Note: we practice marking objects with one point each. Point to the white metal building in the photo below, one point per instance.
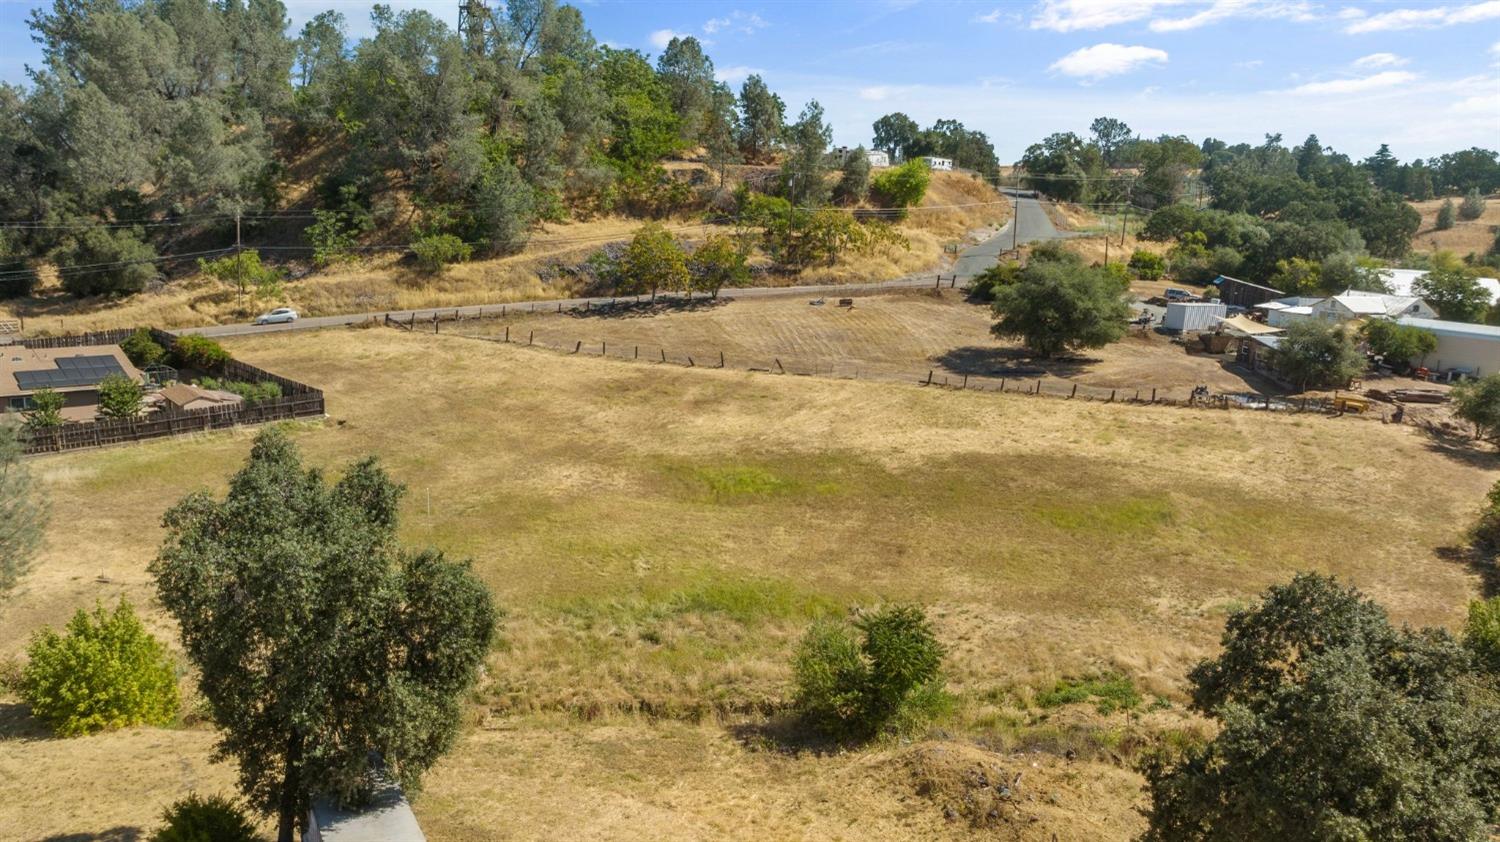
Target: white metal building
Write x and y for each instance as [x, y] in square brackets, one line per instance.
[1401, 280]
[938, 163]
[1471, 349]
[1193, 315]
[1356, 304]
[878, 158]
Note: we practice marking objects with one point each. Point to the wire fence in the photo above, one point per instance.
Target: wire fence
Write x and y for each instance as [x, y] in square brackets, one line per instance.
[1018, 380]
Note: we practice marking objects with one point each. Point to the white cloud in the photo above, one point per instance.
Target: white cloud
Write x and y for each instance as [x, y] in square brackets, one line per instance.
[993, 16]
[1363, 84]
[662, 37]
[1251, 64]
[1074, 15]
[738, 73]
[1425, 18]
[1102, 60]
[1374, 60]
[745, 23]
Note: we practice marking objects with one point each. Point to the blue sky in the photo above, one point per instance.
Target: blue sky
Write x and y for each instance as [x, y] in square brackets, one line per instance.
[1421, 76]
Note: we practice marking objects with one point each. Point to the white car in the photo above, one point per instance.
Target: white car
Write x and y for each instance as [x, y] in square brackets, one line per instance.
[281, 315]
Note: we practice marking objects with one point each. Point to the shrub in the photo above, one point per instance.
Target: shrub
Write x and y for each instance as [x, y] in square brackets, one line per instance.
[1398, 344]
[1147, 265]
[199, 819]
[436, 251]
[984, 285]
[263, 390]
[120, 397]
[1472, 207]
[1482, 633]
[858, 689]
[142, 349]
[1057, 305]
[104, 672]
[107, 261]
[198, 352]
[903, 186]
[1444, 216]
[1314, 353]
[46, 409]
[1478, 402]
[1486, 532]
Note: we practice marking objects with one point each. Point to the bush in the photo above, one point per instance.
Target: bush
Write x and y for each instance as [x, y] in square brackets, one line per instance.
[211, 819]
[1486, 533]
[142, 349]
[1482, 633]
[1478, 402]
[1472, 207]
[1058, 305]
[851, 689]
[984, 285]
[104, 672]
[264, 390]
[1444, 216]
[1147, 265]
[903, 186]
[1397, 344]
[198, 352]
[120, 397]
[108, 261]
[1314, 353]
[435, 251]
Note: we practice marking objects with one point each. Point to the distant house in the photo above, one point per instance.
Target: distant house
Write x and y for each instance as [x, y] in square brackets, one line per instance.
[1284, 312]
[1356, 304]
[1473, 350]
[73, 372]
[878, 158]
[1401, 280]
[182, 397]
[936, 163]
[1238, 293]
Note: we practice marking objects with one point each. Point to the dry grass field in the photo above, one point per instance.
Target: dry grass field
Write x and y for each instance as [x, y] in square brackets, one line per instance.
[891, 336]
[958, 205]
[660, 537]
[1465, 237]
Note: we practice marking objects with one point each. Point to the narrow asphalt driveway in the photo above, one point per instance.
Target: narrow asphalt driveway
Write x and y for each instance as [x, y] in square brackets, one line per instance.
[1034, 226]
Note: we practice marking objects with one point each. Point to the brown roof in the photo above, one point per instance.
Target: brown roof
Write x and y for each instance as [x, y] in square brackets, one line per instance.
[15, 359]
[181, 394]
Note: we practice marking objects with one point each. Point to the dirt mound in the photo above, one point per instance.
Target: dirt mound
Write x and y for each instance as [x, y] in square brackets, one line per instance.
[1024, 796]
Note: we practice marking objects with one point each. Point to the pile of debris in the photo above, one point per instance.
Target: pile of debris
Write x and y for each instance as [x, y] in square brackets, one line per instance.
[969, 784]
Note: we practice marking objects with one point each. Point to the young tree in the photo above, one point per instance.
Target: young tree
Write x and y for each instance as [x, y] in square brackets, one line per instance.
[435, 252]
[1314, 353]
[1332, 725]
[902, 187]
[1147, 265]
[689, 77]
[1478, 402]
[243, 270]
[803, 180]
[45, 411]
[1444, 216]
[120, 397]
[1399, 345]
[142, 350]
[106, 671]
[1111, 136]
[762, 114]
[1060, 304]
[1456, 293]
[320, 643]
[717, 263]
[23, 512]
[854, 183]
[1472, 207]
[653, 261]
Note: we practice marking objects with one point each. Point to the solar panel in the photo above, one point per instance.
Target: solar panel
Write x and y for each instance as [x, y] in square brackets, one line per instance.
[81, 370]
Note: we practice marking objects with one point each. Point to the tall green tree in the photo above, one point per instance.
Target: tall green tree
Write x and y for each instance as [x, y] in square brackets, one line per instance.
[1059, 304]
[854, 178]
[1454, 292]
[762, 117]
[1333, 725]
[23, 511]
[1111, 136]
[689, 76]
[1314, 354]
[896, 134]
[803, 173]
[320, 643]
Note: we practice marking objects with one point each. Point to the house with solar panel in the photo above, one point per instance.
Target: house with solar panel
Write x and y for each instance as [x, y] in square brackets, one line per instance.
[74, 373]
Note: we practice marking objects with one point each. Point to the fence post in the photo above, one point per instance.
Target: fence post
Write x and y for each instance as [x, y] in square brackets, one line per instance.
[664, 355]
[1039, 385]
[939, 283]
[637, 352]
[1074, 393]
[778, 365]
[1153, 396]
[1002, 385]
[502, 311]
[434, 323]
[530, 336]
[1137, 396]
[1111, 395]
[507, 333]
[721, 359]
[966, 381]
[690, 362]
[578, 347]
[929, 378]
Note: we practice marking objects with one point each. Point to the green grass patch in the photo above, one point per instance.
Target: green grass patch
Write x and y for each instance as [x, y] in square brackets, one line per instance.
[1109, 693]
[746, 601]
[738, 481]
[1130, 515]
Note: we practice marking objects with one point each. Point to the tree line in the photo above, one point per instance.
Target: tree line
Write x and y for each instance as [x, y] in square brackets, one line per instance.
[153, 129]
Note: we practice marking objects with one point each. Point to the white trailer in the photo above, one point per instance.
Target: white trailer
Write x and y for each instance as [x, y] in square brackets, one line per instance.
[1183, 316]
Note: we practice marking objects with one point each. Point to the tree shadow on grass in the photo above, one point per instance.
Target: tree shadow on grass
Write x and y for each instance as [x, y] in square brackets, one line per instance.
[1459, 447]
[17, 723]
[784, 733]
[1480, 563]
[114, 834]
[985, 361]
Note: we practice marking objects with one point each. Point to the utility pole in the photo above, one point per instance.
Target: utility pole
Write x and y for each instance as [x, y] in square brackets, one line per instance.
[1125, 220]
[1015, 224]
[239, 244]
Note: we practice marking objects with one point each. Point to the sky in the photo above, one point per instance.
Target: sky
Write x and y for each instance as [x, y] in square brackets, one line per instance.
[1423, 77]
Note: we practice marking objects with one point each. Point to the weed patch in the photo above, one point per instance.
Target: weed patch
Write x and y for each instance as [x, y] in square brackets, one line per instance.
[1108, 692]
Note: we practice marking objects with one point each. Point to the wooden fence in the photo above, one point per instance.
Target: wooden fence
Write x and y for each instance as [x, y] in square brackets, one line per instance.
[298, 400]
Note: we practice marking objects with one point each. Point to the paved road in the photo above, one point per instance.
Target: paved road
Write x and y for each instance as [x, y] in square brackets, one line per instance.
[1035, 226]
[314, 323]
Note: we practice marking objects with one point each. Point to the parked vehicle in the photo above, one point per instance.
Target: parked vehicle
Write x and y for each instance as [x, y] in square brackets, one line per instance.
[1174, 294]
[279, 316]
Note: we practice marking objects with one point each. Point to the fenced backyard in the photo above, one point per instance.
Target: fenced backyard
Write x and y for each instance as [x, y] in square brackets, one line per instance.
[297, 400]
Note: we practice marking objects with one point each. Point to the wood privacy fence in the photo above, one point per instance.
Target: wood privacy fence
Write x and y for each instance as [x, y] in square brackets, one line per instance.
[298, 400]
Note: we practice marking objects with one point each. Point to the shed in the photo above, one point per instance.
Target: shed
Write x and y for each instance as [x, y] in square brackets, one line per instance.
[937, 163]
[184, 397]
[878, 158]
[1243, 293]
[1193, 315]
[1468, 348]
